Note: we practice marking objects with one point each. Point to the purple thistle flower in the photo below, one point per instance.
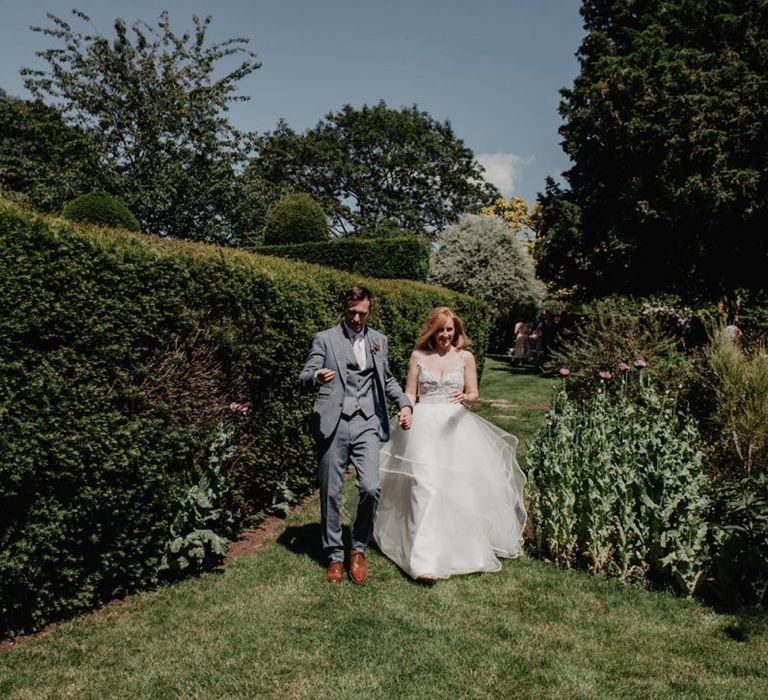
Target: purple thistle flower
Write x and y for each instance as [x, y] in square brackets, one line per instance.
[605, 374]
[640, 363]
[564, 371]
[240, 408]
[623, 367]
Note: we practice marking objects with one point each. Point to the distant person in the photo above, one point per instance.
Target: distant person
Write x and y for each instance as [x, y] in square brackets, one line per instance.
[451, 490]
[521, 353]
[545, 330]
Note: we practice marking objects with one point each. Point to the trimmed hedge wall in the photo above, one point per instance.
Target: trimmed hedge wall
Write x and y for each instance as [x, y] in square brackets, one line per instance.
[403, 257]
[119, 355]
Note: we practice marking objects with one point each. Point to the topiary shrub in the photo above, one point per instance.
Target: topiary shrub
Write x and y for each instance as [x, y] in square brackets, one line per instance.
[296, 218]
[102, 209]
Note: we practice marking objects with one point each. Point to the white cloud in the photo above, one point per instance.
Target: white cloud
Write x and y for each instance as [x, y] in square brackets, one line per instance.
[504, 169]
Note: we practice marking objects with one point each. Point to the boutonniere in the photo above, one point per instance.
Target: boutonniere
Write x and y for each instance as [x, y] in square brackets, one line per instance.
[376, 347]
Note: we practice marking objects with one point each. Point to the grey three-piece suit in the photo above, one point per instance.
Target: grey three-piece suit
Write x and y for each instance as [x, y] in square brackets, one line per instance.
[349, 420]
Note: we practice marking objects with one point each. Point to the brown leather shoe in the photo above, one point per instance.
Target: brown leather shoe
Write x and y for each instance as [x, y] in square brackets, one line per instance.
[335, 572]
[358, 569]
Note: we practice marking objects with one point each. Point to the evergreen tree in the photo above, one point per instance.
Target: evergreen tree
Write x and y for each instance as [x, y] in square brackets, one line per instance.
[667, 128]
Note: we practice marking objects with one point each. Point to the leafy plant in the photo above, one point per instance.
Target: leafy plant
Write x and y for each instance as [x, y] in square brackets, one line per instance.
[617, 329]
[738, 382]
[283, 499]
[102, 209]
[740, 539]
[617, 485]
[194, 545]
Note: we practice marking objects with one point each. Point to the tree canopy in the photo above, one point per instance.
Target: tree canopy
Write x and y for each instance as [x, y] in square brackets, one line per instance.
[377, 166]
[667, 129]
[481, 256]
[43, 158]
[154, 104]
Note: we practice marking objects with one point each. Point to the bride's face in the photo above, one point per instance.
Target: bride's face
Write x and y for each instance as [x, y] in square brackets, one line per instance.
[444, 337]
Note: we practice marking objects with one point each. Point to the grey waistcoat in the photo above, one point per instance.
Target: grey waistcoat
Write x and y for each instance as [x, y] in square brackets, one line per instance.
[358, 390]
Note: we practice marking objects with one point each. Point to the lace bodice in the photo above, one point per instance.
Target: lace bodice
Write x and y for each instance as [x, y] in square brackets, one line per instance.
[431, 390]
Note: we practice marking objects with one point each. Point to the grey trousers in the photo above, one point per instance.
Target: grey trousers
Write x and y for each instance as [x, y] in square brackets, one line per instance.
[356, 440]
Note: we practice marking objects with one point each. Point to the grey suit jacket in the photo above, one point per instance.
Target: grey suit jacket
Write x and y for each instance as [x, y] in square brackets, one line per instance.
[330, 349]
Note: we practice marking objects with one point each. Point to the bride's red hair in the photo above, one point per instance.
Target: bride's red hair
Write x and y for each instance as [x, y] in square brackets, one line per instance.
[436, 319]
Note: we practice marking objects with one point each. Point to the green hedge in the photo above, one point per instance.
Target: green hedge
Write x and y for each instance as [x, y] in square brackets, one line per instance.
[119, 356]
[403, 257]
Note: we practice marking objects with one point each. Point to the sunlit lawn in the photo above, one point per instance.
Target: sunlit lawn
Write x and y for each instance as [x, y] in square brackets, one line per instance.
[270, 627]
[515, 399]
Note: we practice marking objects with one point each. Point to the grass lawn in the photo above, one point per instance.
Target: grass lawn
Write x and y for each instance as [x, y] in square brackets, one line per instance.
[515, 399]
[268, 626]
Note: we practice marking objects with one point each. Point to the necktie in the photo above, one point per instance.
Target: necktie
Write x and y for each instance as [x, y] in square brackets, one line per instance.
[359, 347]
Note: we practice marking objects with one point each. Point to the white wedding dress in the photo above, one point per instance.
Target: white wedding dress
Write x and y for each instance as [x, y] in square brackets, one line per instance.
[451, 490]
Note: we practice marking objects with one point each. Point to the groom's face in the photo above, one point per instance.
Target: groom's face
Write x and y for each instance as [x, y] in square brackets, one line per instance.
[356, 314]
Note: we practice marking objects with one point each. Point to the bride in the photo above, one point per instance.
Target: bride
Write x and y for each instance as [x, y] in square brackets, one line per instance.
[451, 490]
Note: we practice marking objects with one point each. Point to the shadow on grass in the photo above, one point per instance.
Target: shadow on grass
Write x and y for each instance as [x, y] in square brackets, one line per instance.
[305, 540]
[749, 621]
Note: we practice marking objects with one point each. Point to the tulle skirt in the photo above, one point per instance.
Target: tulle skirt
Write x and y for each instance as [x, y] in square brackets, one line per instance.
[451, 494]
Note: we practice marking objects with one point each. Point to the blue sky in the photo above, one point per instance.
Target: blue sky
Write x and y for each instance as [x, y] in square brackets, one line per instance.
[493, 68]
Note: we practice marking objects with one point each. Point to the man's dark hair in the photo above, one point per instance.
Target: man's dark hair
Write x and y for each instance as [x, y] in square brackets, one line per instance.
[356, 294]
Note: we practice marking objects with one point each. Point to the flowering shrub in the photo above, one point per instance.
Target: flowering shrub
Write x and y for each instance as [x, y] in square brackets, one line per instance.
[614, 332]
[617, 485]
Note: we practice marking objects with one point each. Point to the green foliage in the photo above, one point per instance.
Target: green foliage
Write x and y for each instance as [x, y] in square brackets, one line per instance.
[42, 158]
[737, 382]
[119, 354]
[740, 539]
[375, 166]
[102, 209]
[479, 255]
[296, 218]
[406, 257]
[617, 485]
[152, 104]
[195, 546]
[664, 126]
[621, 329]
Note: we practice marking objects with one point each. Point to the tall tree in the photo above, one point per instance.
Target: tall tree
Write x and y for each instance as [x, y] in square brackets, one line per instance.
[667, 128]
[43, 158]
[155, 106]
[377, 166]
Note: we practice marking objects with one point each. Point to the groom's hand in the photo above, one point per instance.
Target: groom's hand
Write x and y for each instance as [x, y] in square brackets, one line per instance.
[325, 375]
[404, 417]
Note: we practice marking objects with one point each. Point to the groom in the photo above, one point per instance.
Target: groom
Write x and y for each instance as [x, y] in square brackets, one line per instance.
[348, 366]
